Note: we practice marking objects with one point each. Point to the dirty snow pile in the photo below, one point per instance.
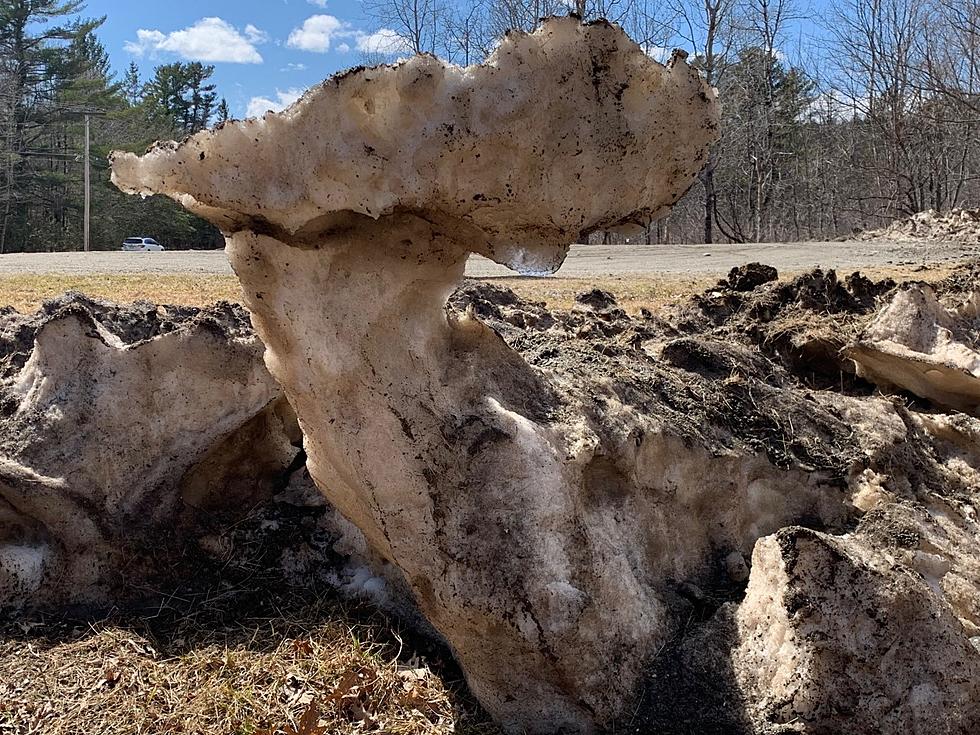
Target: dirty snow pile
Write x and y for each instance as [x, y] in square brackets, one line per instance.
[349, 220]
[763, 454]
[919, 344]
[123, 429]
[956, 225]
[801, 540]
[572, 501]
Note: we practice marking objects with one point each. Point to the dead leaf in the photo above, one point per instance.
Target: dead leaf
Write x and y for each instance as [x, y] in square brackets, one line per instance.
[353, 683]
[308, 723]
[111, 674]
[408, 675]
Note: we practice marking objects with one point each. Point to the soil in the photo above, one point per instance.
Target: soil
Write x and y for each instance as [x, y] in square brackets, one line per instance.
[130, 324]
[720, 364]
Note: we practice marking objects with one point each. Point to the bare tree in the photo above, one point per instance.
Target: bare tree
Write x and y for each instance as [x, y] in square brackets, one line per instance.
[879, 45]
[763, 25]
[707, 28]
[521, 15]
[467, 38]
[416, 21]
[615, 11]
[952, 53]
[652, 25]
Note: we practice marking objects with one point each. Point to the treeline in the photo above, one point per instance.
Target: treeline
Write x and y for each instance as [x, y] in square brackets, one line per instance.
[831, 124]
[54, 72]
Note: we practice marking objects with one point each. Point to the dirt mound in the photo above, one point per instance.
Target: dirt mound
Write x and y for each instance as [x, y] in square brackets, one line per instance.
[748, 277]
[777, 506]
[734, 372]
[802, 324]
[130, 324]
[956, 225]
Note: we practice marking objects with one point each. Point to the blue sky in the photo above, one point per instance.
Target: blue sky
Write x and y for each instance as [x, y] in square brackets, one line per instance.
[264, 53]
[267, 53]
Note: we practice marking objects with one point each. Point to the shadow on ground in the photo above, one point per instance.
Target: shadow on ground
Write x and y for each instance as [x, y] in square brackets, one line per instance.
[234, 648]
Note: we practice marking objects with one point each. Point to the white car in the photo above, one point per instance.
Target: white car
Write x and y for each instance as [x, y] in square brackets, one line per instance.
[141, 245]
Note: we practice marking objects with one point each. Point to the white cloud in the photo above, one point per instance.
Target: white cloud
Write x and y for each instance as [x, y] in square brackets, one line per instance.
[145, 40]
[255, 35]
[318, 3]
[657, 53]
[259, 105]
[383, 41]
[210, 39]
[317, 33]
[294, 67]
[320, 33]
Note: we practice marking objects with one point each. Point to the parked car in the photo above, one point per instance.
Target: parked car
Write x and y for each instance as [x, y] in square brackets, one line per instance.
[141, 245]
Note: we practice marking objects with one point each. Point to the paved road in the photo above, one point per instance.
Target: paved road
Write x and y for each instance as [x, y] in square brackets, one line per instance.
[582, 261]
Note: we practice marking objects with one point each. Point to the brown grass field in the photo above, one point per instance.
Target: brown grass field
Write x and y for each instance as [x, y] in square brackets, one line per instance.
[26, 292]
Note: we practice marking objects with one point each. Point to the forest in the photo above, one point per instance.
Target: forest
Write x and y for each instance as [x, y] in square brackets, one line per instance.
[872, 116]
[53, 72]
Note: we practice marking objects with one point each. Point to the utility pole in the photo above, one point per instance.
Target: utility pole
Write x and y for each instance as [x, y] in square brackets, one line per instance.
[87, 188]
[87, 113]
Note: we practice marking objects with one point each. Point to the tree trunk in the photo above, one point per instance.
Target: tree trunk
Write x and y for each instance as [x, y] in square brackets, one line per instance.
[708, 179]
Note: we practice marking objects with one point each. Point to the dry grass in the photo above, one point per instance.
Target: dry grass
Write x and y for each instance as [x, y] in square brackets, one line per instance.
[232, 643]
[261, 673]
[26, 292]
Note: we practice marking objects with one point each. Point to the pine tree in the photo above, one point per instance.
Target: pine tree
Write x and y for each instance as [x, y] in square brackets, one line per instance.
[41, 49]
[180, 93]
[131, 85]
